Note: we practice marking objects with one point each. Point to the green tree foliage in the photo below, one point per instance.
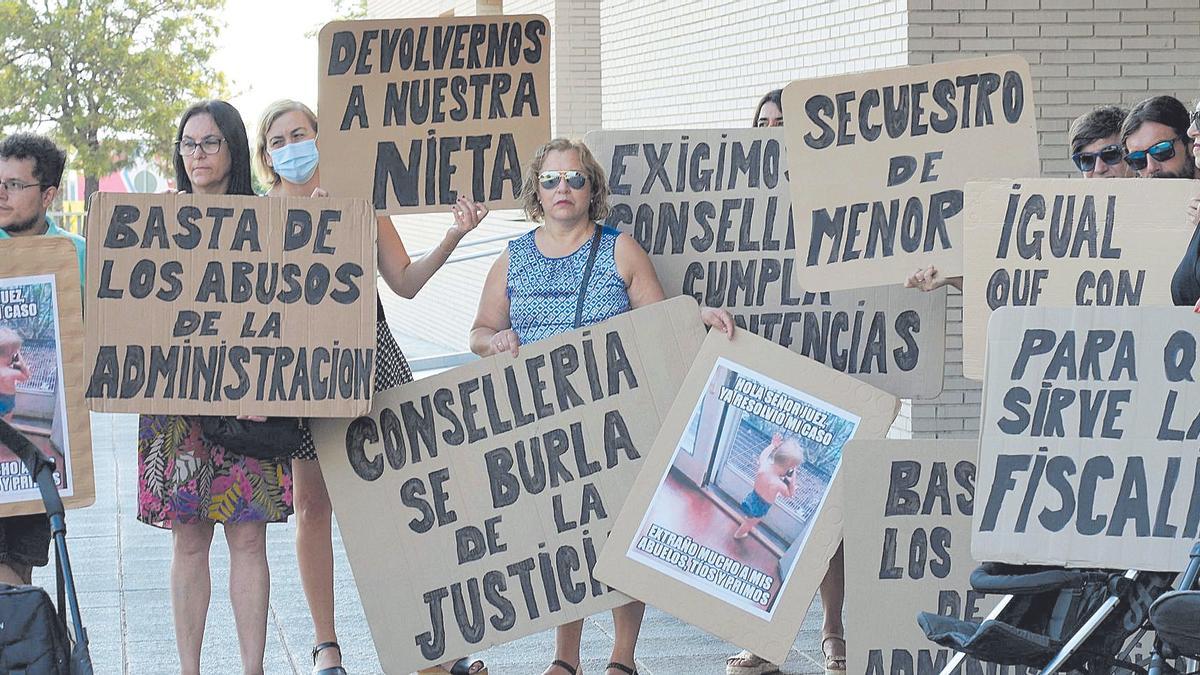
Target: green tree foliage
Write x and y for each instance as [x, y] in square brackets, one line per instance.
[108, 78]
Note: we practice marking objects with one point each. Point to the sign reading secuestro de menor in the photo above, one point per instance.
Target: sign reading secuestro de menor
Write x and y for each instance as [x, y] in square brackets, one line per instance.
[230, 305]
[415, 112]
[879, 159]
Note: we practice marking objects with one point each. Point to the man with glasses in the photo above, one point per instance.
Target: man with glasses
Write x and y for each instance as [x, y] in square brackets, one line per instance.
[1155, 136]
[31, 169]
[1096, 143]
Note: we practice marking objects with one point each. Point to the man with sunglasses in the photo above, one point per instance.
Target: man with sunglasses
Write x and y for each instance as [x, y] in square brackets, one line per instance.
[31, 169]
[1096, 143]
[1155, 136]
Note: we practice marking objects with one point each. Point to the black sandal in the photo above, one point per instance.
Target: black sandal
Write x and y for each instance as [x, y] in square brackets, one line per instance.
[613, 665]
[571, 670]
[461, 667]
[332, 670]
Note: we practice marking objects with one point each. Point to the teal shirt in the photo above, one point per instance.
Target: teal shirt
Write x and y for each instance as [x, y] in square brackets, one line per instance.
[53, 230]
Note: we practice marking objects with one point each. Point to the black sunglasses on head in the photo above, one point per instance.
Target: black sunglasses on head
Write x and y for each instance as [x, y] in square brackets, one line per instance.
[1160, 151]
[1109, 154]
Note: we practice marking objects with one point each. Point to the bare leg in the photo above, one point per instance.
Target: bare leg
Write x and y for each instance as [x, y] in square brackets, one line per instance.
[833, 597]
[314, 553]
[566, 645]
[628, 622]
[745, 528]
[190, 590]
[249, 590]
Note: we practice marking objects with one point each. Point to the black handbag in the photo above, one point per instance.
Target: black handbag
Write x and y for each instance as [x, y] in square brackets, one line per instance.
[33, 637]
[276, 438]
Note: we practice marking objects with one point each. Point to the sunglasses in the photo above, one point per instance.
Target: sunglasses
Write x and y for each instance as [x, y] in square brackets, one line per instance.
[1161, 152]
[1109, 154]
[1196, 119]
[575, 179]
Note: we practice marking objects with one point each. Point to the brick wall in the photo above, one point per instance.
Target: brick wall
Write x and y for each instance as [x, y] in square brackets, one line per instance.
[1082, 53]
[709, 65]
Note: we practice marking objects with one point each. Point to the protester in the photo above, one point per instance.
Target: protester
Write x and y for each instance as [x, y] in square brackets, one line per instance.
[31, 169]
[769, 112]
[833, 586]
[186, 483]
[289, 161]
[1185, 285]
[1155, 137]
[1095, 140]
[541, 286]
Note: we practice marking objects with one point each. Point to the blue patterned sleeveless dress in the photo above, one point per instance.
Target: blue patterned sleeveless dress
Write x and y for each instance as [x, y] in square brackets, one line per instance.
[543, 291]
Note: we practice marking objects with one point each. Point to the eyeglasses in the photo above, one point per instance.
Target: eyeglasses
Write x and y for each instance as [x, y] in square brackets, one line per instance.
[1161, 152]
[211, 145]
[575, 179]
[14, 185]
[1109, 154]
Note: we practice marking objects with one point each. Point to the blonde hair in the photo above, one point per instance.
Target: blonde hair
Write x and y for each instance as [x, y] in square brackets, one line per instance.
[10, 341]
[597, 208]
[789, 452]
[272, 113]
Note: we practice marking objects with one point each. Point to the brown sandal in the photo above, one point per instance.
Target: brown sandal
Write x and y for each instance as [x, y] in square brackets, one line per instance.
[835, 664]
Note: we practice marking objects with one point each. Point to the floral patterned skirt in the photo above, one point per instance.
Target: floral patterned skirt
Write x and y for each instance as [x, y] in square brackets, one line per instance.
[183, 478]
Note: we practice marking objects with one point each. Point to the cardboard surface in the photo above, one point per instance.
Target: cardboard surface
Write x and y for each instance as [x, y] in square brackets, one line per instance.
[879, 160]
[1088, 453]
[221, 305]
[712, 209]
[908, 534]
[673, 545]
[1062, 243]
[40, 301]
[497, 482]
[414, 112]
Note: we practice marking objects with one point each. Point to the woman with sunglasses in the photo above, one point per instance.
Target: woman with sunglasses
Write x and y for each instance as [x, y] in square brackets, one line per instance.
[288, 160]
[536, 288]
[187, 484]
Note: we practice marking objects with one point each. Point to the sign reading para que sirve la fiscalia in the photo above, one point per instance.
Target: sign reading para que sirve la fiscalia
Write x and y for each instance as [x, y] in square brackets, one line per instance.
[415, 112]
[227, 305]
[1089, 438]
[473, 503]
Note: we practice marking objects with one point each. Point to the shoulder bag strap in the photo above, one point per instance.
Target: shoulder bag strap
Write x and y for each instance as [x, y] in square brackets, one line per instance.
[587, 277]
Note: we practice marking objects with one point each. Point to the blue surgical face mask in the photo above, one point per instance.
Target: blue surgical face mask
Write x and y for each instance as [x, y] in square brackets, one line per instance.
[296, 162]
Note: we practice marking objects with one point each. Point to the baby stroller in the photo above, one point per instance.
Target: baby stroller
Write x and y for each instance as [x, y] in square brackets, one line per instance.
[1176, 620]
[1052, 618]
[26, 604]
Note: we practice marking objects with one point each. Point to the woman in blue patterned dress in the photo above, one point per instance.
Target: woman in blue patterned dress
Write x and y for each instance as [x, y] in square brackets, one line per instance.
[531, 294]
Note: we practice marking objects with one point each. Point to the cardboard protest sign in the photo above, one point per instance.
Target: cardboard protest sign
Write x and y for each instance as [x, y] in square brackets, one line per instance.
[908, 534]
[473, 503]
[229, 305]
[1062, 243]
[1088, 450]
[738, 509]
[41, 371]
[414, 112]
[712, 209]
[879, 160]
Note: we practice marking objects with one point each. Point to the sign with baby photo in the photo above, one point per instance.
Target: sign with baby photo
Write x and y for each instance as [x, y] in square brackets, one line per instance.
[41, 371]
[732, 521]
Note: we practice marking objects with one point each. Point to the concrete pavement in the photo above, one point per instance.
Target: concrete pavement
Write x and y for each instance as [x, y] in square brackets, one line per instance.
[121, 569]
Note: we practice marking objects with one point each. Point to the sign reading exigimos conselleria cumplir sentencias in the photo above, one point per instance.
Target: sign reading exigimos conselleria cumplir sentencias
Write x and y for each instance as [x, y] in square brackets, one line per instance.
[415, 112]
[878, 163]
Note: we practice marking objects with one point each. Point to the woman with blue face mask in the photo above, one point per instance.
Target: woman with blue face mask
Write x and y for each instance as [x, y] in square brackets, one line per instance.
[288, 157]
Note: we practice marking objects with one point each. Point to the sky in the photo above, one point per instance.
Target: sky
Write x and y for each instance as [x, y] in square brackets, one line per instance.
[266, 54]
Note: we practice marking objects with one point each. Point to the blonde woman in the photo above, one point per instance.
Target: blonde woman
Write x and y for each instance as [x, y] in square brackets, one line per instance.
[288, 159]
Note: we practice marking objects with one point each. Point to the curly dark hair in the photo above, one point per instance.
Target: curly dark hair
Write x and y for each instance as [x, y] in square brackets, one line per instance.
[48, 159]
[229, 121]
